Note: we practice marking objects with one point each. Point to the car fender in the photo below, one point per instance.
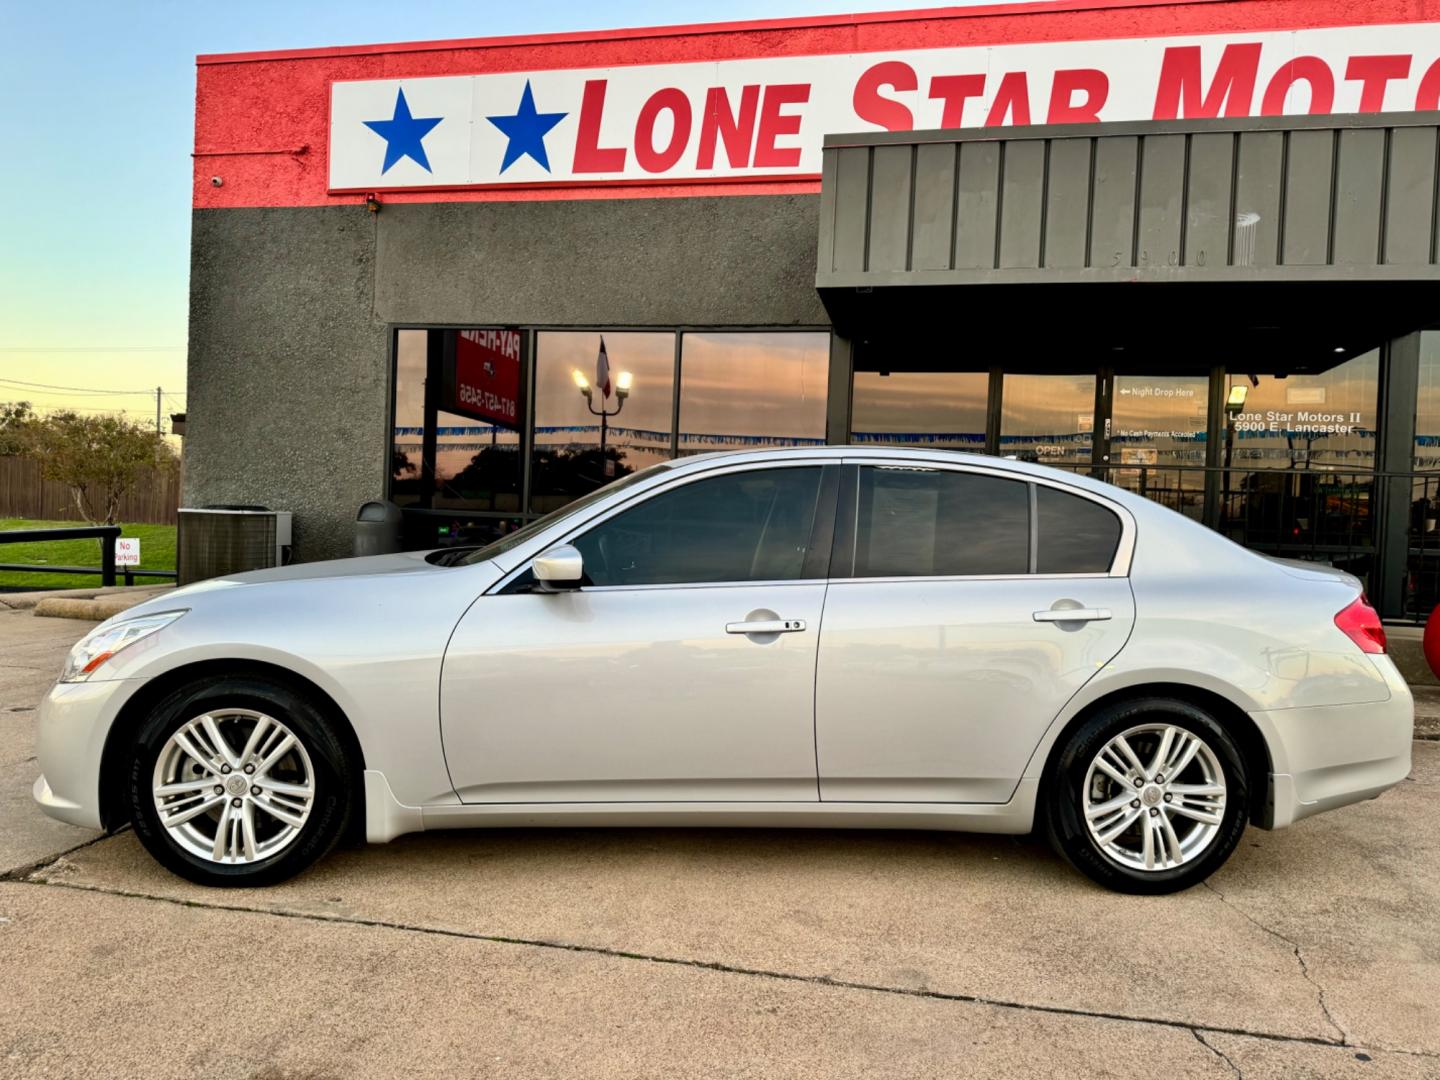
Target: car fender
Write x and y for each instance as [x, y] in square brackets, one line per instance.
[1254, 668]
[1111, 681]
[374, 646]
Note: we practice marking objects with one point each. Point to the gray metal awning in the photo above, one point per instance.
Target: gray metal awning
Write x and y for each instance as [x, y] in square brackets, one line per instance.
[1308, 235]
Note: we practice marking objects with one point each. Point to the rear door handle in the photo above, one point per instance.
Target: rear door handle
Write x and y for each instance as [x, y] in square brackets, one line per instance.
[766, 626]
[1083, 614]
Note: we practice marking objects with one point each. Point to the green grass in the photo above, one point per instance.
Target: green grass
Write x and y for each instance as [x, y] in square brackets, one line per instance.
[157, 552]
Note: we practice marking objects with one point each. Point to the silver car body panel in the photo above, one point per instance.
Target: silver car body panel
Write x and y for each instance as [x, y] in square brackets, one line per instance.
[638, 694]
[635, 706]
[982, 681]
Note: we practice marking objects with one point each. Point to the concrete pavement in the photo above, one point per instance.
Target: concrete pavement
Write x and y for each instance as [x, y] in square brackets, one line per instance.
[32, 650]
[1315, 952]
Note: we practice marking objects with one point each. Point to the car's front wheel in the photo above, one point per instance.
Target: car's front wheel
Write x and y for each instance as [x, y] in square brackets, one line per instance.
[1148, 796]
[238, 781]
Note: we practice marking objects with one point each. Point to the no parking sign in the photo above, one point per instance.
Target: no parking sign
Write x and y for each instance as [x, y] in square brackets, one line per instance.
[127, 551]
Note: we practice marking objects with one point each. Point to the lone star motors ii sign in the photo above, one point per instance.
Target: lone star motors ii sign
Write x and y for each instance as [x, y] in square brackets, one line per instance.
[767, 118]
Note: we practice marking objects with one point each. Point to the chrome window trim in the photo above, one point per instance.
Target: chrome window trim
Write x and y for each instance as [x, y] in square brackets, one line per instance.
[941, 578]
[769, 584]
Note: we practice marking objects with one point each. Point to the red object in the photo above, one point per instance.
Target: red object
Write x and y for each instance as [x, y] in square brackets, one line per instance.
[590, 156]
[261, 118]
[1362, 625]
[487, 376]
[1431, 641]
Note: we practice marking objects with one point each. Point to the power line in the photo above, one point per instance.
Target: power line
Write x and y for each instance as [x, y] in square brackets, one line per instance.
[89, 348]
[71, 394]
[94, 408]
[73, 389]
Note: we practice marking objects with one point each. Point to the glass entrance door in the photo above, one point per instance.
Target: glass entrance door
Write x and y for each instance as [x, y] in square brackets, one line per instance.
[1158, 438]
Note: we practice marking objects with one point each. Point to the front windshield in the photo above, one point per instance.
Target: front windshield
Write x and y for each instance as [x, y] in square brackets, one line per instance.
[525, 532]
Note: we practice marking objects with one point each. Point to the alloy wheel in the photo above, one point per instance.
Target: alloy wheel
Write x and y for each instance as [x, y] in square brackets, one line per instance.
[1154, 797]
[233, 786]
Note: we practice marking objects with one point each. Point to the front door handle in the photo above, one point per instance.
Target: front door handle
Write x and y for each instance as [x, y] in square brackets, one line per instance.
[766, 626]
[1082, 614]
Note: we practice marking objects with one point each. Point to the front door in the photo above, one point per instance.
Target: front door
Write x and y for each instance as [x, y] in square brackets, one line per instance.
[966, 610]
[684, 670]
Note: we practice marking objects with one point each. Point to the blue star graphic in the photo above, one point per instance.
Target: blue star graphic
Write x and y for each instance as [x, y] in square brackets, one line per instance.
[402, 134]
[526, 131]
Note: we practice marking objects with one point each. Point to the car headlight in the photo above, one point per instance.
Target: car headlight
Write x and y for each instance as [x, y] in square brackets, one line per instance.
[106, 640]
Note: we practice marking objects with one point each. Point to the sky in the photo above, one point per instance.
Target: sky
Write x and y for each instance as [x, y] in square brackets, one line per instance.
[98, 127]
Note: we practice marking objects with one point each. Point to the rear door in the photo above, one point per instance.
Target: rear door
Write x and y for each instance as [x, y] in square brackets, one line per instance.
[966, 607]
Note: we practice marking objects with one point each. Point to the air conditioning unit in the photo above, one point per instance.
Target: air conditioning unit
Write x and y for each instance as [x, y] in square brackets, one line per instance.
[219, 540]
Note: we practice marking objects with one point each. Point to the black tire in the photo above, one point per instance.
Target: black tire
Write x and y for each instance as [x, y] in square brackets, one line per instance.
[333, 778]
[1064, 814]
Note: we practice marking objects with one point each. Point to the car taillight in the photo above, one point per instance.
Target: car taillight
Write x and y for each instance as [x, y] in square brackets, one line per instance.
[1362, 625]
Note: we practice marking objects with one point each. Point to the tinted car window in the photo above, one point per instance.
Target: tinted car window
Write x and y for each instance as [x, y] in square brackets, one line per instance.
[1077, 536]
[520, 535]
[924, 522]
[742, 526]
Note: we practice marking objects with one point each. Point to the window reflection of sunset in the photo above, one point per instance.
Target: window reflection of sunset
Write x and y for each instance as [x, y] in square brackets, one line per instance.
[1348, 390]
[650, 359]
[1427, 405]
[920, 403]
[756, 384]
[1042, 415]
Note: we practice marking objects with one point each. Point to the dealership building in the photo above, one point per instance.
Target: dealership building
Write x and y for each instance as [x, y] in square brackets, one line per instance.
[1188, 246]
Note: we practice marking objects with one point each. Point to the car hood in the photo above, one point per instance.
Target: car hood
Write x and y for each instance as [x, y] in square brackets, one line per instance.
[370, 566]
[407, 562]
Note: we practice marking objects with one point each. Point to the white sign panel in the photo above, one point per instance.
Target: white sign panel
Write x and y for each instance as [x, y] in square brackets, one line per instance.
[127, 551]
[767, 118]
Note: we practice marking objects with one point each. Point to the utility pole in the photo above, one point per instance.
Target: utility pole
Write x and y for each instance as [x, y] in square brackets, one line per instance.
[157, 411]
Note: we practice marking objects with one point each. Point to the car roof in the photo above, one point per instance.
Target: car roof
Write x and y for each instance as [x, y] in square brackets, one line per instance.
[887, 453]
[919, 455]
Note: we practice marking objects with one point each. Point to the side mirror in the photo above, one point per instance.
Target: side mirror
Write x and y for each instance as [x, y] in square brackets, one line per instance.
[559, 569]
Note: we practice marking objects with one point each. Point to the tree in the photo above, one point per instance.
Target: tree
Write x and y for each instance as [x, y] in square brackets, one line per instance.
[17, 419]
[98, 458]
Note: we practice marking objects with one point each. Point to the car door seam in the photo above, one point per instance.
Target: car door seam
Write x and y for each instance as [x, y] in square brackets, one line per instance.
[440, 694]
[815, 692]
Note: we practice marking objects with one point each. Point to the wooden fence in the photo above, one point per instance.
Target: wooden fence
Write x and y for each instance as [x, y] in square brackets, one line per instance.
[25, 493]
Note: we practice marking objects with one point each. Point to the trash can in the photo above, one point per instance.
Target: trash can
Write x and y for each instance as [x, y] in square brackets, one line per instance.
[377, 528]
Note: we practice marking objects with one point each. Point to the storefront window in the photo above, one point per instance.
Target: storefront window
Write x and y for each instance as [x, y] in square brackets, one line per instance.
[477, 465]
[469, 381]
[409, 430]
[1048, 418]
[576, 449]
[1157, 438]
[741, 391]
[1423, 577]
[1299, 453]
[477, 462]
[921, 408]
[1427, 404]
[1303, 421]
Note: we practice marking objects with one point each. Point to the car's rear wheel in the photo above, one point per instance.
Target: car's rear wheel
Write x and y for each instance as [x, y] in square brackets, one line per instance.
[239, 782]
[1148, 796]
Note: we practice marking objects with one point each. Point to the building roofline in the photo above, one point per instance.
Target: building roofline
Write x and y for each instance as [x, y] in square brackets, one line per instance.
[1036, 8]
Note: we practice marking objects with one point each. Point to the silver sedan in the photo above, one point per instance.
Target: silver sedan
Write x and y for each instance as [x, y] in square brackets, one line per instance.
[832, 637]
